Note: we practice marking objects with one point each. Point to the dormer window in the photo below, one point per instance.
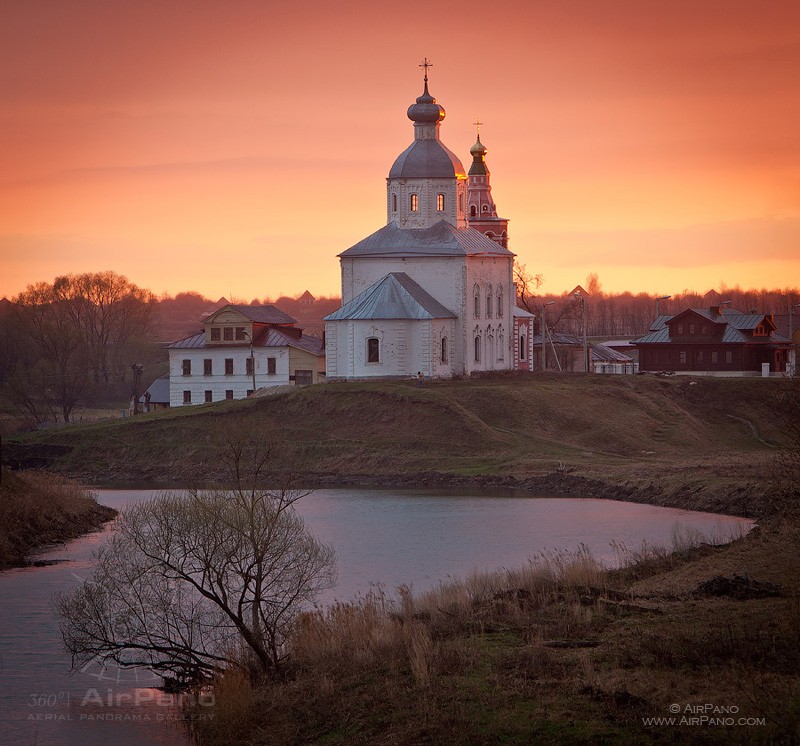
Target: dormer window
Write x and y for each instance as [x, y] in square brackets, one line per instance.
[440, 203]
[486, 208]
[413, 202]
[215, 334]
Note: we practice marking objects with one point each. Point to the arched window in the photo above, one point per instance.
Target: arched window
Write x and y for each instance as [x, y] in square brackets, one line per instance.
[476, 292]
[444, 350]
[485, 208]
[504, 239]
[440, 203]
[473, 211]
[394, 203]
[489, 304]
[373, 350]
[461, 202]
[477, 349]
[413, 202]
[500, 344]
[499, 301]
[522, 346]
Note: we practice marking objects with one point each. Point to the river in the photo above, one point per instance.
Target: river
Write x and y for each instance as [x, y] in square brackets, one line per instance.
[381, 537]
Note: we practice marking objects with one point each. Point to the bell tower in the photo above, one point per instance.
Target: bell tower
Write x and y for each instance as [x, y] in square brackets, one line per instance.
[481, 210]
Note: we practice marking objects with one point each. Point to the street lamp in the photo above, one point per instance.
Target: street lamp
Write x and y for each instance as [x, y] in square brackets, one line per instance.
[661, 297]
[583, 324]
[544, 334]
[252, 361]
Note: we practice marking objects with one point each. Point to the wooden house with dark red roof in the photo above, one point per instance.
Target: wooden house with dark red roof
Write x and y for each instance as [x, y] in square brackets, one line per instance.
[713, 341]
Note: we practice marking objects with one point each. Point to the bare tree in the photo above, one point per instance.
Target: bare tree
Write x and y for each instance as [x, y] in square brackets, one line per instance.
[526, 284]
[194, 583]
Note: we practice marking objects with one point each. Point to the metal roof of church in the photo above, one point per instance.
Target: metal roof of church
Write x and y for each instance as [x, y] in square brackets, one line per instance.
[395, 296]
[442, 239]
[425, 159]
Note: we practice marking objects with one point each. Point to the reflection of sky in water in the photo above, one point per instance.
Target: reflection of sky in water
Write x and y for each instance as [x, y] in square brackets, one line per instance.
[394, 537]
[386, 537]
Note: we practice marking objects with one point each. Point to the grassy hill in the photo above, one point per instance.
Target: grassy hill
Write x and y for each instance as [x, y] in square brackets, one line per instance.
[660, 439]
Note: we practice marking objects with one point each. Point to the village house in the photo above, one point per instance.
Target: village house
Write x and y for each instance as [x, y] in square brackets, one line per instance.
[242, 349]
[713, 341]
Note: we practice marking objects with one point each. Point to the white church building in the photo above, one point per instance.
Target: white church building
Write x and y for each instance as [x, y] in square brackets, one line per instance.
[431, 292]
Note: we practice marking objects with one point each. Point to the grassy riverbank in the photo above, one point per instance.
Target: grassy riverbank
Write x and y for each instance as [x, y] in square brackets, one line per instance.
[558, 652]
[37, 509]
[705, 443]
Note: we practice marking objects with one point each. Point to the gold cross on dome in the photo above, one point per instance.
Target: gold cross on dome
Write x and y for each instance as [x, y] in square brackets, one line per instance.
[426, 65]
[478, 124]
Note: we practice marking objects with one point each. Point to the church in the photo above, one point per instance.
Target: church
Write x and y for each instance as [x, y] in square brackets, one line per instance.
[431, 292]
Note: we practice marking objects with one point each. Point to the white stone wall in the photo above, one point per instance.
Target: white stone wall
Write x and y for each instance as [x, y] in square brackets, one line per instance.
[218, 383]
[496, 333]
[440, 277]
[454, 190]
[406, 348]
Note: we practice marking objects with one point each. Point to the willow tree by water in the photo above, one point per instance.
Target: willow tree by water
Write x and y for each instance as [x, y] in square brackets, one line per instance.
[193, 583]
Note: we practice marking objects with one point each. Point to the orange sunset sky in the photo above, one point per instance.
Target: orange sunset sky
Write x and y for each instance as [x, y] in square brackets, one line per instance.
[235, 148]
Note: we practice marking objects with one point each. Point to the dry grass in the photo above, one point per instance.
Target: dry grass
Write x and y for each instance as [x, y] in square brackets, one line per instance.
[38, 508]
[558, 651]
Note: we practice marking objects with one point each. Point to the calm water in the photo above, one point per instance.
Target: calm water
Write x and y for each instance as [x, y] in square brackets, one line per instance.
[381, 538]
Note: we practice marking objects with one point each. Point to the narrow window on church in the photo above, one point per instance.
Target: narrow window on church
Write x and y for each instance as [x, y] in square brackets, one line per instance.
[373, 350]
[500, 344]
[477, 349]
[440, 203]
[414, 202]
[522, 346]
[473, 211]
[444, 349]
[489, 304]
[394, 203]
[500, 303]
[187, 397]
[461, 203]
[477, 299]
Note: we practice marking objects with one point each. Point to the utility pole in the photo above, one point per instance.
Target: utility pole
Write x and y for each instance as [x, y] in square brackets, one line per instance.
[252, 362]
[543, 329]
[585, 341]
[792, 349]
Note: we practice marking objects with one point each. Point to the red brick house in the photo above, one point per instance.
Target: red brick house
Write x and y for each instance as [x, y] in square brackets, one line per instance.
[713, 341]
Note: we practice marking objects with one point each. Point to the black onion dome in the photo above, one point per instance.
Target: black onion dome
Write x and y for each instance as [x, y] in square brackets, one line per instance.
[426, 110]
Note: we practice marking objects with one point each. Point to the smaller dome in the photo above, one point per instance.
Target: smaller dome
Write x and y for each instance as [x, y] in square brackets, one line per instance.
[478, 149]
[426, 110]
